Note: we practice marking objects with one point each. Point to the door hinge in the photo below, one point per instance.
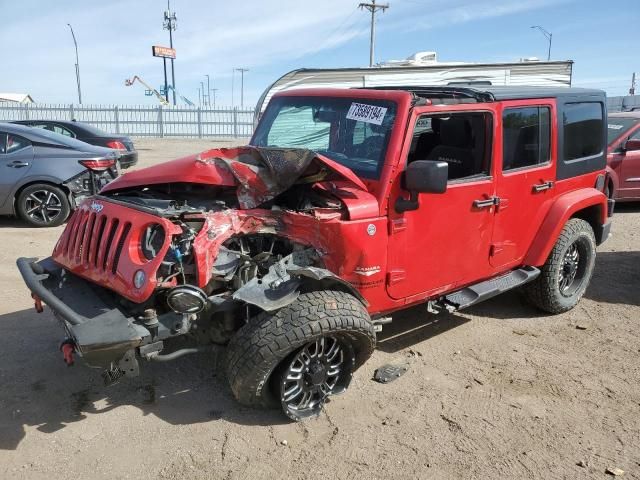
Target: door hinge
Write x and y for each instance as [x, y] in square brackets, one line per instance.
[397, 225]
[396, 276]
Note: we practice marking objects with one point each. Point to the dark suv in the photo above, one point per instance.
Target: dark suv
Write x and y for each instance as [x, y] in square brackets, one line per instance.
[347, 205]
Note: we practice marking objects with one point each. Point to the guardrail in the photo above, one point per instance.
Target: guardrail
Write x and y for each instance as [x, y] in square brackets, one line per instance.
[142, 120]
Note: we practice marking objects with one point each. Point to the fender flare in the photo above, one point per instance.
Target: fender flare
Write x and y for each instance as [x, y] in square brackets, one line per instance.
[612, 177]
[286, 279]
[565, 207]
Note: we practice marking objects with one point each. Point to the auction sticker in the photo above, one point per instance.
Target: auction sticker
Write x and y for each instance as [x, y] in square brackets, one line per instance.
[366, 113]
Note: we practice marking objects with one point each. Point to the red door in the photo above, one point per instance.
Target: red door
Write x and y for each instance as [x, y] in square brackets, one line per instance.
[630, 179]
[525, 178]
[445, 242]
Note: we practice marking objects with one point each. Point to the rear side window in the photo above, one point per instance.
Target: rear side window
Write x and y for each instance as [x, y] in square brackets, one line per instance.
[14, 143]
[3, 142]
[583, 125]
[526, 137]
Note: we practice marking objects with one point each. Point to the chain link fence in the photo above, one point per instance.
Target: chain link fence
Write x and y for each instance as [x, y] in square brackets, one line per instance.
[142, 120]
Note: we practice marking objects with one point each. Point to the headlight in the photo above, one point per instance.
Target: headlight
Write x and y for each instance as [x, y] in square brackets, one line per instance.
[152, 241]
[139, 279]
[187, 299]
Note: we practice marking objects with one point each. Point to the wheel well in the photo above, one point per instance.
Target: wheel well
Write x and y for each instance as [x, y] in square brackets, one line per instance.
[592, 216]
[40, 182]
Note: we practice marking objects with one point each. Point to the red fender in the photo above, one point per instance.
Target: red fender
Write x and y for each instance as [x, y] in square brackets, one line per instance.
[565, 207]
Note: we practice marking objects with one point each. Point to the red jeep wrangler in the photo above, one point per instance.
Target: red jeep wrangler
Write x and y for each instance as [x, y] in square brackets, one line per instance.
[347, 205]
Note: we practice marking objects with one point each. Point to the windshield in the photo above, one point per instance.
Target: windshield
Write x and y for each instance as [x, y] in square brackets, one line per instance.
[61, 139]
[617, 126]
[353, 132]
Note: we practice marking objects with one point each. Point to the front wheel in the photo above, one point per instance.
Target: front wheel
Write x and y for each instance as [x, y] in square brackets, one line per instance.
[568, 270]
[300, 355]
[43, 205]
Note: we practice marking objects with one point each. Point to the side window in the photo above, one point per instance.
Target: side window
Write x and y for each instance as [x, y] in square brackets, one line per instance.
[463, 140]
[297, 127]
[3, 143]
[525, 137]
[583, 125]
[636, 135]
[63, 131]
[15, 143]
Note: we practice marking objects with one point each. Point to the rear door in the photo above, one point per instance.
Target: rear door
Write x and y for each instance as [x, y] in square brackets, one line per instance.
[525, 178]
[16, 157]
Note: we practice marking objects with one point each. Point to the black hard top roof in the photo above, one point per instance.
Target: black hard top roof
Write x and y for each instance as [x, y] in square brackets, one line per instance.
[492, 93]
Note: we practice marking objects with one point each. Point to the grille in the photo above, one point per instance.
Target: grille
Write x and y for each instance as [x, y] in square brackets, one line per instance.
[94, 241]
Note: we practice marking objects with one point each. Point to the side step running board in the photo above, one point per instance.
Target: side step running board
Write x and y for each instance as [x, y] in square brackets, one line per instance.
[490, 288]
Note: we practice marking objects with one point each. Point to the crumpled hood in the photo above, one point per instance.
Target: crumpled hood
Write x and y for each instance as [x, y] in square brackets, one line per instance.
[259, 173]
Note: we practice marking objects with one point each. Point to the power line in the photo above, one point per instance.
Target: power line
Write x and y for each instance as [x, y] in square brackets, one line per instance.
[373, 8]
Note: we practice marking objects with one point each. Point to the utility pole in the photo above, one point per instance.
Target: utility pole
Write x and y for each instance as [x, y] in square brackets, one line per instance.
[208, 92]
[170, 24]
[373, 7]
[548, 36]
[204, 104]
[233, 76]
[77, 65]
[199, 97]
[632, 90]
[242, 70]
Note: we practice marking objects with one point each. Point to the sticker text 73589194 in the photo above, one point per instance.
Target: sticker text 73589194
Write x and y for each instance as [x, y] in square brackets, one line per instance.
[366, 113]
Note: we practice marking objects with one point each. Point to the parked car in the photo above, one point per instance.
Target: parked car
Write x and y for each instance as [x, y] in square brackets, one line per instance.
[623, 156]
[44, 175]
[92, 135]
[347, 205]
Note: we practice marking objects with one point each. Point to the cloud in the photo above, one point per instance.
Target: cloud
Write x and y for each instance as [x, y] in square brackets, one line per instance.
[267, 36]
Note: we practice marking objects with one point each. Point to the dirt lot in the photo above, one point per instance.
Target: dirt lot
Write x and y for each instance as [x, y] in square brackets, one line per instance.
[498, 391]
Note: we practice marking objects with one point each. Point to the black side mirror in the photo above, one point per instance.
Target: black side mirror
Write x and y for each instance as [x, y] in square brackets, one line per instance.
[631, 145]
[423, 176]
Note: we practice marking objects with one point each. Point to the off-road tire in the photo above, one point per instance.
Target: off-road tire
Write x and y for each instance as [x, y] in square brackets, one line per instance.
[260, 346]
[24, 202]
[544, 292]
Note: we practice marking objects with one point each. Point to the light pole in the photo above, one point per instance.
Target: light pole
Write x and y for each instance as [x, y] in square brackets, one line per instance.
[214, 90]
[208, 92]
[170, 24]
[242, 70]
[548, 36]
[77, 65]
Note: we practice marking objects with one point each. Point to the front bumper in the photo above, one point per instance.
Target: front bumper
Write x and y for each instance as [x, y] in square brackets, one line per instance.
[102, 333]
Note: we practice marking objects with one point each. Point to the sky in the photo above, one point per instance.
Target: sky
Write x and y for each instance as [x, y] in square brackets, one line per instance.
[271, 37]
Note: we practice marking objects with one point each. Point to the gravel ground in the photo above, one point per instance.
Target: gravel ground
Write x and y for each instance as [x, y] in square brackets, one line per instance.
[499, 391]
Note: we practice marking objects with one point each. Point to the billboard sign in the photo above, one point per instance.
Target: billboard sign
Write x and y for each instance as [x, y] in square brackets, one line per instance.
[164, 52]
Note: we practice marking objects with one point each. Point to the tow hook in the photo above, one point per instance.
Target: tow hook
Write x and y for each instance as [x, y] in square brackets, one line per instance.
[67, 347]
[38, 303]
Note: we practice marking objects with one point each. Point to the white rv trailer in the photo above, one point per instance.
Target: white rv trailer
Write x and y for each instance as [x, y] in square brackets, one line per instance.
[527, 72]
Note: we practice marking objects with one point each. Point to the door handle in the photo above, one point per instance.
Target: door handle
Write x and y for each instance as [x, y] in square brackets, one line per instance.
[541, 187]
[488, 203]
[18, 164]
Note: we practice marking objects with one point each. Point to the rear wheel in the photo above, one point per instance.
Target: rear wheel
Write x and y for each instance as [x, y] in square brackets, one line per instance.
[43, 205]
[568, 270]
[300, 355]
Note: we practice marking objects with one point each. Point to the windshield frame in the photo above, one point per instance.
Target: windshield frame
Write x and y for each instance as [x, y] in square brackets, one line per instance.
[381, 98]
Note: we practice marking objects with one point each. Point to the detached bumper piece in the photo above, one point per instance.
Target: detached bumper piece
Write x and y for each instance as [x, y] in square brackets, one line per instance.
[95, 327]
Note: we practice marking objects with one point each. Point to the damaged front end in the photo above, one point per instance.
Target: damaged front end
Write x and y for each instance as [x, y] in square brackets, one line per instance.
[196, 247]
